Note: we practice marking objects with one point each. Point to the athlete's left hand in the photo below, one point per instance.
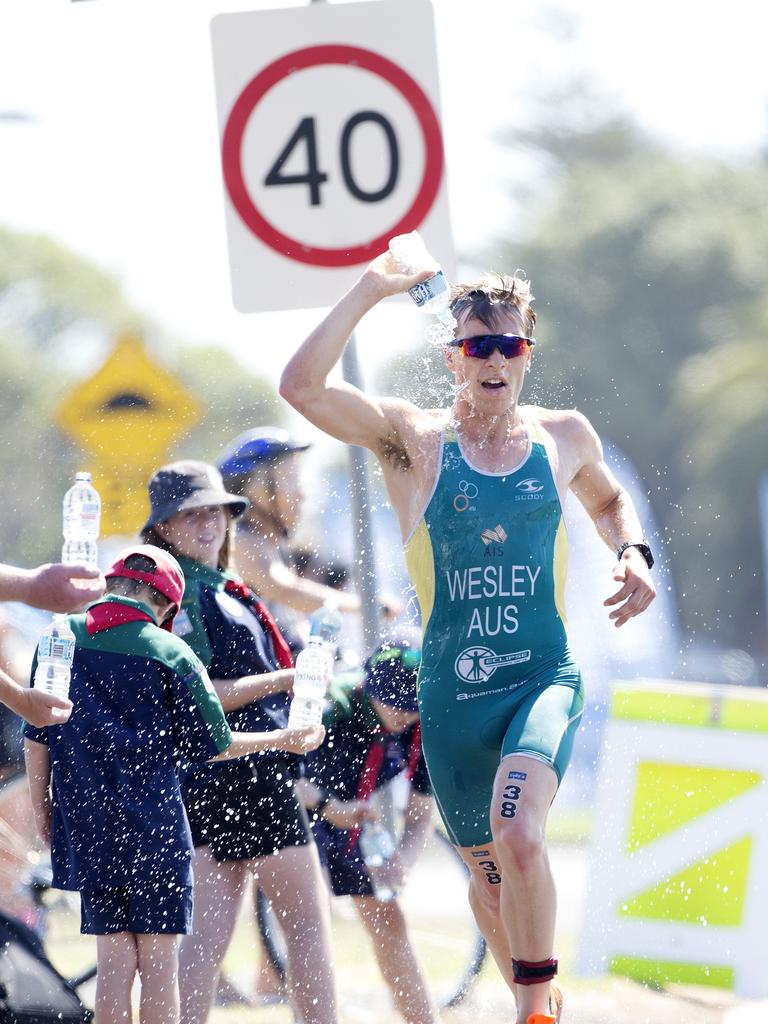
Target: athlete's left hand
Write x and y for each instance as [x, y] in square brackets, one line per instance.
[636, 591]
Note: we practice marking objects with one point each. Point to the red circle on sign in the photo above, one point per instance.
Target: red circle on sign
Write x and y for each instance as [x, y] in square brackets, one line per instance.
[299, 60]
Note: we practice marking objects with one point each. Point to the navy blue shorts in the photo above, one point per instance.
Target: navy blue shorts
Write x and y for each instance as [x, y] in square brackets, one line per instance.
[346, 871]
[147, 909]
[243, 812]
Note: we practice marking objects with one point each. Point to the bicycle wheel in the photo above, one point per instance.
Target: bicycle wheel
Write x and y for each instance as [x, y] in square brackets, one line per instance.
[449, 945]
[270, 933]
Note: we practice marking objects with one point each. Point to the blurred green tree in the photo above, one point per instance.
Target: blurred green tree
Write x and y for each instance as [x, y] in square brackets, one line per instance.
[235, 399]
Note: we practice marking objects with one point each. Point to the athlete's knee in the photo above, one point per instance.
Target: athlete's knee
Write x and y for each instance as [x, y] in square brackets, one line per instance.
[519, 841]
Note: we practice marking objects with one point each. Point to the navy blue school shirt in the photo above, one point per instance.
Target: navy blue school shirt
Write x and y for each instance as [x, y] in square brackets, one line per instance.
[142, 701]
[230, 640]
[352, 727]
[222, 628]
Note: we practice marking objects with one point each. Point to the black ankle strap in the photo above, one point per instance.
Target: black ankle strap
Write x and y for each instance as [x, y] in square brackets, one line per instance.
[529, 972]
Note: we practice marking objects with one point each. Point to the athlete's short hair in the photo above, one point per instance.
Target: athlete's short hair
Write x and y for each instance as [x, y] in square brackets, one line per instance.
[493, 295]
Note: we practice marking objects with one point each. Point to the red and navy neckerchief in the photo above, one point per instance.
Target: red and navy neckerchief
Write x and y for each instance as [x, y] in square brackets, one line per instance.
[114, 611]
[369, 776]
[279, 644]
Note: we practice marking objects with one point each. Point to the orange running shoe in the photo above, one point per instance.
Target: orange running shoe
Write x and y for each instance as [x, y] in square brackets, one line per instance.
[555, 1008]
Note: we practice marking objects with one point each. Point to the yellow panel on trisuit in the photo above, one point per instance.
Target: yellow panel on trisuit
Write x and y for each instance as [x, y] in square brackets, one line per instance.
[709, 893]
[669, 795]
[131, 410]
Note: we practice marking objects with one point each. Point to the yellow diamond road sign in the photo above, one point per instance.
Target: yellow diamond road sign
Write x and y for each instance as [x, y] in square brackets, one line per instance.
[127, 416]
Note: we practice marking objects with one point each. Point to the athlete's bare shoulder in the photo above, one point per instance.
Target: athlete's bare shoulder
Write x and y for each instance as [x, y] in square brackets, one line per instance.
[573, 441]
[568, 425]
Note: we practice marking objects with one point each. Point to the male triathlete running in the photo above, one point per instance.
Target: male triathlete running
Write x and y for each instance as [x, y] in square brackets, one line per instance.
[479, 490]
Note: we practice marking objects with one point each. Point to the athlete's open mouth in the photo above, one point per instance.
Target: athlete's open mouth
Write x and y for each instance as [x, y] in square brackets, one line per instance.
[493, 384]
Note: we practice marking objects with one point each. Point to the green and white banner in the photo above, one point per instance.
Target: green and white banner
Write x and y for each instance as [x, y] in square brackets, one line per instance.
[679, 888]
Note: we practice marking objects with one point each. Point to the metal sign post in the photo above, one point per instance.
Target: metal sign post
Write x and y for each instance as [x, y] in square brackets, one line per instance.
[365, 562]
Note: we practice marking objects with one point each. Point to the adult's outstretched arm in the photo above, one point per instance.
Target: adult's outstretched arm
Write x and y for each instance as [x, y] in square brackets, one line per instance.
[52, 586]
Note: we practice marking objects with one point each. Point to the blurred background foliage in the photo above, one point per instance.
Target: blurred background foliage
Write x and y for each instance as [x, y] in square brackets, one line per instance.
[650, 268]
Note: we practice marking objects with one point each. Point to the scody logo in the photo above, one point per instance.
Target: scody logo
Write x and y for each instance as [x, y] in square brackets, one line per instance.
[529, 490]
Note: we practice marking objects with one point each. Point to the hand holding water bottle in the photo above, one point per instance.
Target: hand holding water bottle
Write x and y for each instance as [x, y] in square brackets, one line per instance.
[55, 587]
[388, 277]
[379, 852]
[40, 708]
[55, 654]
[314, 668]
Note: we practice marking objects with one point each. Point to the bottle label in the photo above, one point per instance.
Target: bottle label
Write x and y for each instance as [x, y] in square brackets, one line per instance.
[56, 648]
[430, 289]
[85, 512]
[90, 510]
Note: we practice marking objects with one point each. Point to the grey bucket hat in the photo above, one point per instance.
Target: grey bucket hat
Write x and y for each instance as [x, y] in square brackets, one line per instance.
[186, 485]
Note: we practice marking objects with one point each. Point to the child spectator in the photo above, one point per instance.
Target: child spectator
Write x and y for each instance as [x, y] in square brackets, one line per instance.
[104, 787]
[373, 735]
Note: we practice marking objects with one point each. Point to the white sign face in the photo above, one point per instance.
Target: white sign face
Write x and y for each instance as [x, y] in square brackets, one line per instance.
[330, 142]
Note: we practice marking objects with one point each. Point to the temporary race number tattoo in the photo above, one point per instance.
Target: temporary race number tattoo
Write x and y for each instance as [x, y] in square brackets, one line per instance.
[492, 873]
[511, 795]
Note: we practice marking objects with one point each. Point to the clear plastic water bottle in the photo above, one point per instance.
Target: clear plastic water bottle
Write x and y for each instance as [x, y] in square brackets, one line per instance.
[81, 514]
[378, 848]
[433, 295]
[55, 654]
[313, 669]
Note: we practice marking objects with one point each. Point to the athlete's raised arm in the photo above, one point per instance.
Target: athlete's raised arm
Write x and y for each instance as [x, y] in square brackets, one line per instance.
[613, 513]
[342, 410]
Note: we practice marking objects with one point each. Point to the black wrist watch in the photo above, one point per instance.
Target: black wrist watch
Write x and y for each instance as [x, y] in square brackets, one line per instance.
[642, 547]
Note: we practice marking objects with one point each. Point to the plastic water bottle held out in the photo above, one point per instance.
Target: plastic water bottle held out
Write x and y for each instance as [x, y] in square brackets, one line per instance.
[313, 669]
[81, 514]
[378, 848]
[55, 654]
[433, 295]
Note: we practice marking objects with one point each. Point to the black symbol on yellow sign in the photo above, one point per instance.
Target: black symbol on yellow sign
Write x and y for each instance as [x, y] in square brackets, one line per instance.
[127, 417]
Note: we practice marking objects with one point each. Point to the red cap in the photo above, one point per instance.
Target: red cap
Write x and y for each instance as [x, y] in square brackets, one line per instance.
[166, 577]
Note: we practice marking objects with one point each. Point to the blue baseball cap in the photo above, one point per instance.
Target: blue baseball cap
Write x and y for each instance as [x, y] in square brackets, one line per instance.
[391, 672]
[254, 447]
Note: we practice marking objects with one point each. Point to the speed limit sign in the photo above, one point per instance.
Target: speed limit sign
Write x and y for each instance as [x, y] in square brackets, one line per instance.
[330, 145]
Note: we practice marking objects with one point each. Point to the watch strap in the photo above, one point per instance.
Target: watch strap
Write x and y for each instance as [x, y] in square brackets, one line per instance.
[642, 546]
